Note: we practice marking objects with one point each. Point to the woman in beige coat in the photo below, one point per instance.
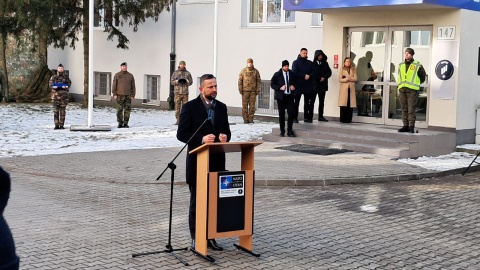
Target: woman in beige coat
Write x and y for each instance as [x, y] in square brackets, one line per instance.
[346, 96]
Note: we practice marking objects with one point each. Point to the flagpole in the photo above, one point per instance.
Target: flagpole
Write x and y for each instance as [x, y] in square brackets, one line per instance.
[90, 62]
[215, 39]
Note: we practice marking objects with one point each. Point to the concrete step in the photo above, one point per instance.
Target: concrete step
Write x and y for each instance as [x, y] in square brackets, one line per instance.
[370, 138]
[400, 151]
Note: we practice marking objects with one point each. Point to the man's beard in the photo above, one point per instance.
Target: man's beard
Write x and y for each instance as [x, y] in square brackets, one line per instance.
[209, 97]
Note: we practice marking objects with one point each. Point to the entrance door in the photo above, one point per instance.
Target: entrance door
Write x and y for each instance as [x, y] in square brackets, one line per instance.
[376, 53]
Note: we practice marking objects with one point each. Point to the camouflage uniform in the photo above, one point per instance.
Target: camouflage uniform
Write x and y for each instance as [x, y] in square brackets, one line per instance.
[123, 87]
[180, 88]
[249, 85]
[60, 98]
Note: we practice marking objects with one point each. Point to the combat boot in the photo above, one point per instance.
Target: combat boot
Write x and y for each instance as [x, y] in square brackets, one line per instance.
[411, 129]
[404, 129]
[56, 127]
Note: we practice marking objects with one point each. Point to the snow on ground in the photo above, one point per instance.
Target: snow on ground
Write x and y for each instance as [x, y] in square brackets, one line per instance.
[27, 130]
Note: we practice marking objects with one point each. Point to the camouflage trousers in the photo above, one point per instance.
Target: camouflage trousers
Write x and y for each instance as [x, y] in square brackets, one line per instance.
[408, 101]
[124, 106]
[248, 105]
[180, 99]
[60, 102]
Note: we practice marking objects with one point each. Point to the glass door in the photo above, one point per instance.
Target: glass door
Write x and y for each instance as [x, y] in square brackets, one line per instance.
[376, 53]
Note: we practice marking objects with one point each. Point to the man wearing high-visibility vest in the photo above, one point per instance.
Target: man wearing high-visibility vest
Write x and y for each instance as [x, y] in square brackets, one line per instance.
[411, 75]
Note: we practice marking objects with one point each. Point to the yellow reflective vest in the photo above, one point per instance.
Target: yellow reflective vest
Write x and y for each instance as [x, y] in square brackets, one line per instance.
[409, 78]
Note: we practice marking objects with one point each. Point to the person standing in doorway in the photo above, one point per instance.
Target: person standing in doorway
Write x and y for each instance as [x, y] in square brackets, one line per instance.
[320, 81]
[283, 82]
[249, 85]
[346, 96]
[365, 72]
[303, 69]
[181, 79]
[411, 75]
[203, 120]
[123, 91]
[59, 84]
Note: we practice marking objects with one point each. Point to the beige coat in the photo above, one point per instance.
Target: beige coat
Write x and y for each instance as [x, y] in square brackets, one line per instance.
[344, 86]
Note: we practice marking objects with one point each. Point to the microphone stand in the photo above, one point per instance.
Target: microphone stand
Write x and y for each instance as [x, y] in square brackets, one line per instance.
[169, 249]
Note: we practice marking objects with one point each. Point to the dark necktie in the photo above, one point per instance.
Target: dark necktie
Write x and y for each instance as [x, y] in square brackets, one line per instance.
[287, 84]
[210, 111]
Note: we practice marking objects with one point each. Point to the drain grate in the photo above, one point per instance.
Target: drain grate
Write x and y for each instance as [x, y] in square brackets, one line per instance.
[313, 149]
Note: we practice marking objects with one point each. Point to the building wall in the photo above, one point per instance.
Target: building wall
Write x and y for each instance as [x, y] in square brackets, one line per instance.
[150, 48]
[442, 113]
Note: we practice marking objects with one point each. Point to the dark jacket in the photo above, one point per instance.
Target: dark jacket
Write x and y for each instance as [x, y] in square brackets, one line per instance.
[302, 67]
[192, 116]
[322, 70]
[278, 81]
[8, 258]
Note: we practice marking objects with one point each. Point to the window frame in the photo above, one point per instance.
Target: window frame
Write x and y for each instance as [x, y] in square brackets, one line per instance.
[265, 23]
[97, 85]
[148, 91]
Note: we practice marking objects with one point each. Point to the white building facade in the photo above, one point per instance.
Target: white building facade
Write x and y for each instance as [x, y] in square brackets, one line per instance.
[268, 31]
[245, 30]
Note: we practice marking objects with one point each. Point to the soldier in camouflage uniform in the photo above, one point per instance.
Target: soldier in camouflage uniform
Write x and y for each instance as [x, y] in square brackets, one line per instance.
[123, 91]
[249, 85]
[59, 84]
[181, 79]
[411, 75]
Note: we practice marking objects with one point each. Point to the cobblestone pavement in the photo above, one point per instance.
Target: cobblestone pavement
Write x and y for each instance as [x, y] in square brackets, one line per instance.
[68, 223]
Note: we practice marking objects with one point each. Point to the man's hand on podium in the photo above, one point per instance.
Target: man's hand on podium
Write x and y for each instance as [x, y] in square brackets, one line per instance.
[222, 137]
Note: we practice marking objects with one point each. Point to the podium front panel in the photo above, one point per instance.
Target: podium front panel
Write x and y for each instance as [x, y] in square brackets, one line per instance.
[230, 207]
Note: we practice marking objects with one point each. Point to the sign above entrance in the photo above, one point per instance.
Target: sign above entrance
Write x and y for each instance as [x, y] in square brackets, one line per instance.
[335, 4]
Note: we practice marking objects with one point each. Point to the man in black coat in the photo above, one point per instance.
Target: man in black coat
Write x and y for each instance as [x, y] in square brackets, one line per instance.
[303, 69]
[8, 258]
[284, 82]
[320, 80]
[209, 116]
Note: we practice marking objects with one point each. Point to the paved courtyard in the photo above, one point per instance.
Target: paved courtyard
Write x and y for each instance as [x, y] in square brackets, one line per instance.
[94, 223]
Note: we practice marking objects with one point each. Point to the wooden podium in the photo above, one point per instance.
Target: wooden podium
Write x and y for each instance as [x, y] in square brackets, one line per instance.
[210, 193]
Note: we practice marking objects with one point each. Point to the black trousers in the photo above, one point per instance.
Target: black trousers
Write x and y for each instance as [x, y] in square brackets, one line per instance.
[308, 105]
[286, 104]
[192, 209]
[296, 100]
[321, 102]
[346, 112]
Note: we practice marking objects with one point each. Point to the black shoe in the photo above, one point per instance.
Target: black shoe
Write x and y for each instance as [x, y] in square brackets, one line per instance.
[290, 133]
[56, 127]
[61, 127]
[120, 125]
[282, 133]
[211, 243]
[125, 126]
[295, 120]
[411, 129]
[404, 129]
[322, 119]
[307, 121]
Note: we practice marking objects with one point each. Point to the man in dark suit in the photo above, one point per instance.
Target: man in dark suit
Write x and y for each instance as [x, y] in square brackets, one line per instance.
[208, 116]
[284, 82]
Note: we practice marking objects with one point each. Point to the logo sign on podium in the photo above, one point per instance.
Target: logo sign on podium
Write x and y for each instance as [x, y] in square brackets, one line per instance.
[231, 185]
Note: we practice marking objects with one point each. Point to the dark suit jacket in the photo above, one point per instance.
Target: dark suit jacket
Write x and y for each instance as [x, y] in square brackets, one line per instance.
[192, 116]
[278, 81]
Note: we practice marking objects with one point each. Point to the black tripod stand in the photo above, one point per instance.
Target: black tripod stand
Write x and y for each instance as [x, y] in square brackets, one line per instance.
[169, 248]
[473, 161]
[172, 167]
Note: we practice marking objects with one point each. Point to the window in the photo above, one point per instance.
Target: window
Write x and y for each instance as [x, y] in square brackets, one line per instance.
[269, 12]
[103, 89]
[417, 38]
[373, 38]
[317, 19]
[153, 89]
[104, 14]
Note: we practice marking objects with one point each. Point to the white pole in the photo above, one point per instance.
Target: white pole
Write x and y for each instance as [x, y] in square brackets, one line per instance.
[90, 62]
[215, 39]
